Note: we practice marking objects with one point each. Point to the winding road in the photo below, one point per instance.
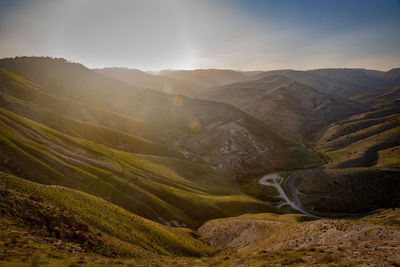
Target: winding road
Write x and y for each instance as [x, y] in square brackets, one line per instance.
[275, 180]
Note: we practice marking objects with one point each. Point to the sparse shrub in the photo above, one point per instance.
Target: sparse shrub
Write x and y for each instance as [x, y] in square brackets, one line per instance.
[288, 260]
[326, 259]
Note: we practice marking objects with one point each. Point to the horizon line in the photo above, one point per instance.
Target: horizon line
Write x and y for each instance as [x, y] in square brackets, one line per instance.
[194, 69]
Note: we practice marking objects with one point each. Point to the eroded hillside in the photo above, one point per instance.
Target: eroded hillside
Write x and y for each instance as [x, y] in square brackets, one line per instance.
[293, 240]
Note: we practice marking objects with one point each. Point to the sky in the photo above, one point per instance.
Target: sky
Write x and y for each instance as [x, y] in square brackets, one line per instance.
[191, 34]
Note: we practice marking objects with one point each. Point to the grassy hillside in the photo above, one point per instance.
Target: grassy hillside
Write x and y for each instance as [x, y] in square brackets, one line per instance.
[362, 158]
[341, 83]
[215, 133]
[73, 81]
[366, 139]
[94, 132]
[292, 108]
[359, 80]
[56, 226]
[50, 139]
[133, 181]
[29, 237]
[133, 233]
[379, 98]
[20, 88]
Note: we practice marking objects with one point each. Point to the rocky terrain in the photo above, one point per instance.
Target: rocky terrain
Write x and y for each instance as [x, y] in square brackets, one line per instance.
[373, 240]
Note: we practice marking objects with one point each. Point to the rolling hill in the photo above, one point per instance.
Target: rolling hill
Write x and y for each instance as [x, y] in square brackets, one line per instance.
[363, 156]
[250, 147]
[47, 146]
[294, 109]
[209, 77]
[58, 226]
[369, 138]
[145, 80]
[392, 77]
[360, 80]
[342, 83]
[159, 158]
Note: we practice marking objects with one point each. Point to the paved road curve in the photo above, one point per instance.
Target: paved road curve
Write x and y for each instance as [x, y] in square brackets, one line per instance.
[275, 180]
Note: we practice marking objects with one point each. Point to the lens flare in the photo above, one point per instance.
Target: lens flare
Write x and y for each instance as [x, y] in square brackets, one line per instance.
[195, 126]
[177, 100]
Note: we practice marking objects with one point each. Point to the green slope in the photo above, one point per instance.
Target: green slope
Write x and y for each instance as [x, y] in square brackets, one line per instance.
[139, 233]
[41, 154]
[219, 134]
[73, 81]
[367, 138]
[86, 130]
[170, 160]
[362, 154]
[20, 88]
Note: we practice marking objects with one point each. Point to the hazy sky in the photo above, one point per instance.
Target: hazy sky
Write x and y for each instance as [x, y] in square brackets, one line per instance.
[187, 34]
